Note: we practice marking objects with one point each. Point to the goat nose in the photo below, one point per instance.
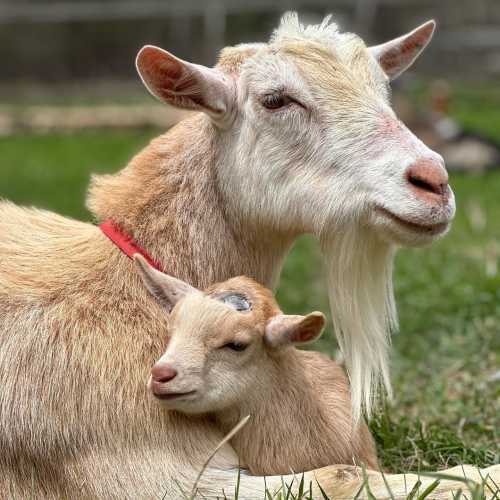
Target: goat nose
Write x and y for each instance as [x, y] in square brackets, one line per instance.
[163, 372]
[429, 180]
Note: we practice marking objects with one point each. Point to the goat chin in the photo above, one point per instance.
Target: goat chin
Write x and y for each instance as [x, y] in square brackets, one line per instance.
[359, 274]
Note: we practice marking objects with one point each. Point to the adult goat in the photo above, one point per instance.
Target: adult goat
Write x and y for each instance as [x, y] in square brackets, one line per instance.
[294, 136]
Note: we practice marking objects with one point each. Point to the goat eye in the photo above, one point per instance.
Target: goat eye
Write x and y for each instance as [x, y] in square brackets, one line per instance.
[236, 346]
[275, 101]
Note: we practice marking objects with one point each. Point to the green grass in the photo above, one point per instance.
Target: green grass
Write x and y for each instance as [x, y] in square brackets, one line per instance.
[447, 407]
[53, 171]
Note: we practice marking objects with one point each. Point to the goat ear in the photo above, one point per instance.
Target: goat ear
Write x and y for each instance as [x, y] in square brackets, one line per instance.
[185, 85]
[286, 329]
[166, 289]
[399, 54]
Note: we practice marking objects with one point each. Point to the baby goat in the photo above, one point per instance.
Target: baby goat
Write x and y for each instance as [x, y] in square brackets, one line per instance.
[231, 353]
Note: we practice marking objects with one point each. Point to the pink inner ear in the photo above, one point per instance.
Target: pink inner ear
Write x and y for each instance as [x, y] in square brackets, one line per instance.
[414, 43]
[161, 72]
[306, 334]
[164, 75]
[391, 59]
[396, 56]
[309, 328]
[180, 83]
[401, 55]
[166, 68]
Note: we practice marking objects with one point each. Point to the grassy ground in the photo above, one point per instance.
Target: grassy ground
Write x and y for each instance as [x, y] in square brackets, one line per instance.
[447, 405]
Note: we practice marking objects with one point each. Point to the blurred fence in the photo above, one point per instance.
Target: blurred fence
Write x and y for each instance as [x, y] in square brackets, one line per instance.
[71, 40]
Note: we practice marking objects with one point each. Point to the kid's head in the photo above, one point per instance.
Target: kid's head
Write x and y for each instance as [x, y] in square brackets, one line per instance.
[221, 340]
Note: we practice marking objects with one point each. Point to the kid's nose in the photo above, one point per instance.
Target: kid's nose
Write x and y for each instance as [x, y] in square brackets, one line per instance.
[163, 372]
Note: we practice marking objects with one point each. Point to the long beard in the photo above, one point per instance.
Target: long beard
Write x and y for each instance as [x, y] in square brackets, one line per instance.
[363, 310]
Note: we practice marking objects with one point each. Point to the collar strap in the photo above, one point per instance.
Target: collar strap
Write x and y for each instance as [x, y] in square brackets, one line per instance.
[125, 242]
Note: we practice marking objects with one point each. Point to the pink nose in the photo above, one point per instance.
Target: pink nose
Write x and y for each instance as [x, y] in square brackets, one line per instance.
[163, 372]
[429, 180]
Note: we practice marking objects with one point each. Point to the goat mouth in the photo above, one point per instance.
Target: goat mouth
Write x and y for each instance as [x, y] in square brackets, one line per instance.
[415, 227]
[169, 396]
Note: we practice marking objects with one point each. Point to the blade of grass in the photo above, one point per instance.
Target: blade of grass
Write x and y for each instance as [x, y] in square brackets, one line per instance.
[449, 477]
[301, 487]
[289, 492]
[230, 434]
[486, 481]
[267, 492]
[429, 490]
[238, 479]
[391, 495]
[358, 493]
[414, 490]
[371, 496]
[325, 496]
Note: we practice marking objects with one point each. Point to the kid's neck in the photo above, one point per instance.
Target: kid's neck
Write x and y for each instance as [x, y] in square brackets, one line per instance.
[281, 408]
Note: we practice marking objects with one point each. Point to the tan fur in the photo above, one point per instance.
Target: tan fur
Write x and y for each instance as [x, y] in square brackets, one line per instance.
[301, 420]
[78, 331]
[168, 198]
[66, 404]
[231, 58]
[284, 390]
[299, 401]
[78, 334]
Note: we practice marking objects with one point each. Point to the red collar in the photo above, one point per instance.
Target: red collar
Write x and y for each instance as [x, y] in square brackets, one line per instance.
[125, 242]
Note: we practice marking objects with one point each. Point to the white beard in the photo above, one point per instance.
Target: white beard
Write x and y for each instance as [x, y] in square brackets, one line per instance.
[359, 267]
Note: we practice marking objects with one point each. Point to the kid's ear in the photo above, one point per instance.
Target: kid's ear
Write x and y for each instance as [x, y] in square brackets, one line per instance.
[397, 55]
[186, 85]
[286, 329]
[166, 289]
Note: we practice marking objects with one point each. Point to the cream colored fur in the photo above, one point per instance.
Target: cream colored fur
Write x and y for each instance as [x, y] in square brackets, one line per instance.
[73, 398]
[326, 167]
[299, 402]
[78, 332]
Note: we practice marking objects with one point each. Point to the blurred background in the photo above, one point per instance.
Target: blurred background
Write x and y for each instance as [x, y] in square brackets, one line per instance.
[72, 104]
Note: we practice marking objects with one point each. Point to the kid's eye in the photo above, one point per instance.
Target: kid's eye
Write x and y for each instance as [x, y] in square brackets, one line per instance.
[275, 101]
[235, 346]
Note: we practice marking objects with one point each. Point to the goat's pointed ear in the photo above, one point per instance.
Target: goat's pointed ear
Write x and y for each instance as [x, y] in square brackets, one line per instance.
[399, 54]
[186, 85]
[286, 329]
[166, 289]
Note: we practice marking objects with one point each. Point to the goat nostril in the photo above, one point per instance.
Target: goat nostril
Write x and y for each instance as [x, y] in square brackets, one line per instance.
[421, 184]
[427, 177]
[163, 373]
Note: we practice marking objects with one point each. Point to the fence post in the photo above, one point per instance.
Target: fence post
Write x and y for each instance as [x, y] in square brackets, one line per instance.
[214, 21]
